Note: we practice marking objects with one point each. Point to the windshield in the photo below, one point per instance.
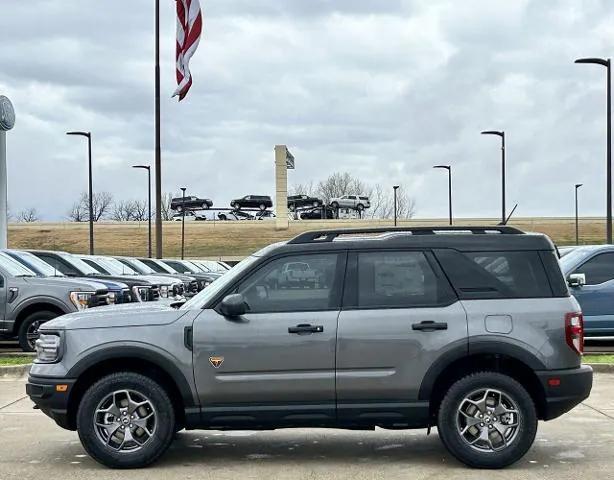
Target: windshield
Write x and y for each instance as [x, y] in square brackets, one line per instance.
[138, 266]
[573, 259]
[13, 267]
[220, 284]
[43, 267]
[79, 264]
[115, 267]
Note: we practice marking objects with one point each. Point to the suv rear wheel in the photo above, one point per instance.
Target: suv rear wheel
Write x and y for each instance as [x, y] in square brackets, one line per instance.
[126, 420]
[487, 420]
[28, 330]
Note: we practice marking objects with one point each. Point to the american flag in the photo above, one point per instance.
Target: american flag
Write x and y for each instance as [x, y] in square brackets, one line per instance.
[189, 28]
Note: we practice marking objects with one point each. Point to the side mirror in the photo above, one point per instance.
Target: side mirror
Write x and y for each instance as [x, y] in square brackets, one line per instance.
[233, 305]
[576, 280]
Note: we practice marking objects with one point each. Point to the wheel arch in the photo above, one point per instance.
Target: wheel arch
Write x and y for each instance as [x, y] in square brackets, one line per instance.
[29, 307]
[502, 358]
[131, 359]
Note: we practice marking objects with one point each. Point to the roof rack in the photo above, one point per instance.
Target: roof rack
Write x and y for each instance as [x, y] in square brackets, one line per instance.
[330, 235]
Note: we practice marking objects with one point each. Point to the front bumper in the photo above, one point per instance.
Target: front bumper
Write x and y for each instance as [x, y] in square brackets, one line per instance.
[564, 389]
[53, 402]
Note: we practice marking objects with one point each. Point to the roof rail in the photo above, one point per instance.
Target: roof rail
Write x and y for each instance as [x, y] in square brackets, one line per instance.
[330, 235]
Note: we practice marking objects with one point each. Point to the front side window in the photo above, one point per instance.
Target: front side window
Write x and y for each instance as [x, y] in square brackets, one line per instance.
[399, 279]
[294, 283]
[598, 269]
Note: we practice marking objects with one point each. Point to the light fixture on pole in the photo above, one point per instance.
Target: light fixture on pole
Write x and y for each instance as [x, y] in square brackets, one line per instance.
[395, 188]
[183, 189]
[88, 135]
[449, 169]
[578, 185]
[148, 168]
[606, 63]
[502, 135]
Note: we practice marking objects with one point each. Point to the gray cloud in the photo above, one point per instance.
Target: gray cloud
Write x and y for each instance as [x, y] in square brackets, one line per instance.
[383, 89]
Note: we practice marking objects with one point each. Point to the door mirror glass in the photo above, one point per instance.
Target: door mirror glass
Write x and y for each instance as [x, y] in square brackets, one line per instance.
[233, 305]
[576, 280]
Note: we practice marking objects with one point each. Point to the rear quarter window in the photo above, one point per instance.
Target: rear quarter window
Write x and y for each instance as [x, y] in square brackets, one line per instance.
[506, 274]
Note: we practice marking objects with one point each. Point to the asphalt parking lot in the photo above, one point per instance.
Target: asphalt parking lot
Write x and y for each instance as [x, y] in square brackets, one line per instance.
[577, 445]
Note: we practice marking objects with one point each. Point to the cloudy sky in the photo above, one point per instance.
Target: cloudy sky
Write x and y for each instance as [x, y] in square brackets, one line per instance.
[381, 88]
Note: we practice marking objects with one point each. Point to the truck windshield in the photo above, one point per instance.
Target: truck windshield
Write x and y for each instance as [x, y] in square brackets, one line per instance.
[79, 264]
[43, 267]
[13, 267]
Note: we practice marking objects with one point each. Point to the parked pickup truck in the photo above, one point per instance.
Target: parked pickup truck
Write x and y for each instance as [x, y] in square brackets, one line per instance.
[27, 301]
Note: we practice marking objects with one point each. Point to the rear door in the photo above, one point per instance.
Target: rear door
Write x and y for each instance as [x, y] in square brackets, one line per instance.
[399, 316]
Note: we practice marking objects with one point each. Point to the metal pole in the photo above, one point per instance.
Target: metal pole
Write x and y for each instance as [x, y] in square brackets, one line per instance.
[91, 192]
[503, 210]
[149, 208]
[395, 205]
[609, 158]
[577, 226]
[158, 153]
[182, 223]
[450, 192]
[3, 191]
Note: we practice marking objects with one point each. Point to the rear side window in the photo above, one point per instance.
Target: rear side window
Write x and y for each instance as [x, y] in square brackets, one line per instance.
[509, 274]
[399, 279]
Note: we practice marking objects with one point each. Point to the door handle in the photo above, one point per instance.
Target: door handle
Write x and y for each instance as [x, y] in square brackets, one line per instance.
[429, 326]
[306, 328]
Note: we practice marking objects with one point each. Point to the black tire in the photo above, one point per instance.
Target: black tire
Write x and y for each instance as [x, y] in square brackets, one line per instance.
[262, 207]
[316, 204]
[179, 208]
[32, 321]
[360, 207]
[153, 448]
[335, 205]
[205, 206]
[460, 448]
[291, 207]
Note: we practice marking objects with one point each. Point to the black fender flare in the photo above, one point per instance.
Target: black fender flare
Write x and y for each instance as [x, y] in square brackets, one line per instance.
[20, 307]
[486, 345]
[156, 357]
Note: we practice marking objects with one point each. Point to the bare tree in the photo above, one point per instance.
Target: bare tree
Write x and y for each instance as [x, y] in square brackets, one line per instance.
[165, 212]
[382, 203]
[101, 203]
[339, 184]
[141, 212]
[123, 211]
[28, 215]
[307, 188]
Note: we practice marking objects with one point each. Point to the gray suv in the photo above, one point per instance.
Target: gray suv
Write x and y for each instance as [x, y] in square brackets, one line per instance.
[468, 329]
[28, 301]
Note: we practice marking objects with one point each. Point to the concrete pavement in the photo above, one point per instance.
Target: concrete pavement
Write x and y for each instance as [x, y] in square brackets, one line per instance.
[577, 445]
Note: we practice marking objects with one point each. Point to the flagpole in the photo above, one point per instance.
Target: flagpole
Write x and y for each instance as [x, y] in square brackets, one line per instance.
[158, 159]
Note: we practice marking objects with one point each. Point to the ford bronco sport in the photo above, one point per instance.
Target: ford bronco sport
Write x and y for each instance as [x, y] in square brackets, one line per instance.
[469, 329]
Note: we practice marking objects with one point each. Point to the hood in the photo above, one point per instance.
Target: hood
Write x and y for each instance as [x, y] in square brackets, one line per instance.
[130, 281]
[69, 284]
[124, 315]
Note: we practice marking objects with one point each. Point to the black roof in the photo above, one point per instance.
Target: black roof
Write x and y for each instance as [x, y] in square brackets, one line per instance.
[466, 238]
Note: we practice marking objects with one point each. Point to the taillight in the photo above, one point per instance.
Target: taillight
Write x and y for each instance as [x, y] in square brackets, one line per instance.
[574, 331]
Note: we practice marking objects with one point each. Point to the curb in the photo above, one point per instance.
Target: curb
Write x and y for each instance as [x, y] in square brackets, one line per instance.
[14, 372]
[602, 367]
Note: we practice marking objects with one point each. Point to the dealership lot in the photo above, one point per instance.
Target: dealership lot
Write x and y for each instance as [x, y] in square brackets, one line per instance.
[579, 444]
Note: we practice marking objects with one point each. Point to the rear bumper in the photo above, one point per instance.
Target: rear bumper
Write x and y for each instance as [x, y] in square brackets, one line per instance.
[53, 403]
[574, 386]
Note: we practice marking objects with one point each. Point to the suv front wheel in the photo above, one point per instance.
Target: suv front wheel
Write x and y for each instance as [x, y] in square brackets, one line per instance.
[487, 420]
[126, 420]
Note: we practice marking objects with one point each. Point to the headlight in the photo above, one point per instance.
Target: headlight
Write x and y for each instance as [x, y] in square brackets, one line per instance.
[141, 293]
[164, 291]
[48, 348]
[81, 300]
[111, 299]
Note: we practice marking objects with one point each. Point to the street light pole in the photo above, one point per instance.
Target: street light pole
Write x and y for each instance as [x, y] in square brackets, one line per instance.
[183, 189]
[449, 169]
[606, 63]
[395, 188]
[88, 135]
[148, 168]
[578, 185]
[502, 135]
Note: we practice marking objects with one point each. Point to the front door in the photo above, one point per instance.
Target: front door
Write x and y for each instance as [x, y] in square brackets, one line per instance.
[399, 315]
[276, 364]
[596, 298]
